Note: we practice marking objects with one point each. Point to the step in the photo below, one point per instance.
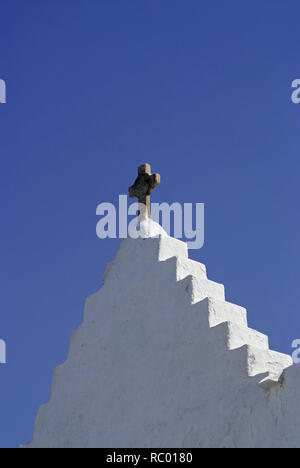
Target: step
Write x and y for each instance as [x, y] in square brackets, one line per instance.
[198, 289]
[223, 311]
[186, 267]
[171, 247]
[235, 336]
[265, 365]
[260, 361]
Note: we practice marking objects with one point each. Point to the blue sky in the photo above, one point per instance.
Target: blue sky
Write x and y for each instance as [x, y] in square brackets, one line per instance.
[202, 91]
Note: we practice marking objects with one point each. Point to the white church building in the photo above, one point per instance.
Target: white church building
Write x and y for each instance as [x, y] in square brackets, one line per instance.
[163, 360]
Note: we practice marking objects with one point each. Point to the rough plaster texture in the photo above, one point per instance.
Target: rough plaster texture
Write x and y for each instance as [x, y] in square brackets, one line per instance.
[161, 360]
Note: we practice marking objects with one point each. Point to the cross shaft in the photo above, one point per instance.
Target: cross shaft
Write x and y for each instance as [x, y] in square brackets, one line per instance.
[142, 188]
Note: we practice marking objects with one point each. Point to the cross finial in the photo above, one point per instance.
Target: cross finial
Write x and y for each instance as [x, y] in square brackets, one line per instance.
[143, 186]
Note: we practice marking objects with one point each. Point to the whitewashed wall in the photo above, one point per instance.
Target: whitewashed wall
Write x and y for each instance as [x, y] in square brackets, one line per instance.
[161, 360]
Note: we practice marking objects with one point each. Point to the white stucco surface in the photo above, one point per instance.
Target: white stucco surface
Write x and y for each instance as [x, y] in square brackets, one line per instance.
[162, 360]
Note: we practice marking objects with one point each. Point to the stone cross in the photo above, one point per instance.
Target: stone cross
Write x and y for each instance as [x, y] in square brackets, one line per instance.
[142, 188]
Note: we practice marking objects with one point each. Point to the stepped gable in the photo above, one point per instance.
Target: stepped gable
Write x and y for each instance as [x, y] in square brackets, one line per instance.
[163, 360]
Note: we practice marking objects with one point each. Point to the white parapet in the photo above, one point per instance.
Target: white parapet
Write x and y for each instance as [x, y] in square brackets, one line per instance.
[162, 360]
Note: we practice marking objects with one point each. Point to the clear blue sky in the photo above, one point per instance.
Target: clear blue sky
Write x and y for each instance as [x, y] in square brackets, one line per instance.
[201, 90]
